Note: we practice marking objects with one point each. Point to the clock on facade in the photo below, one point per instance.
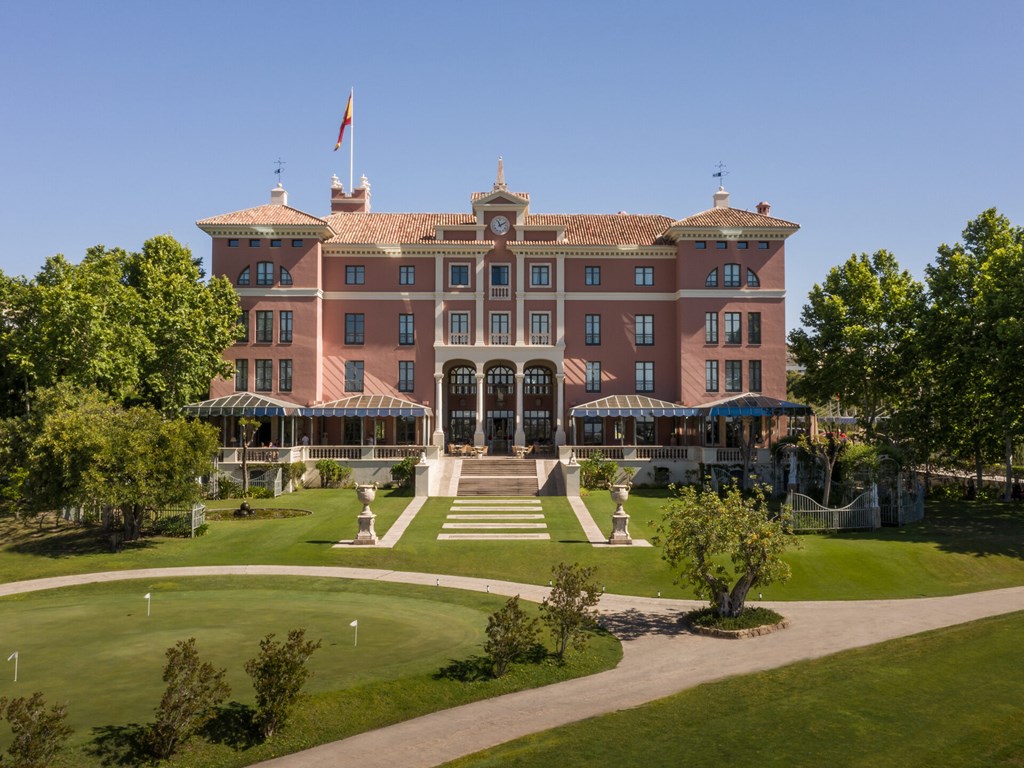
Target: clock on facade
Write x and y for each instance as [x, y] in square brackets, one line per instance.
[499, 225]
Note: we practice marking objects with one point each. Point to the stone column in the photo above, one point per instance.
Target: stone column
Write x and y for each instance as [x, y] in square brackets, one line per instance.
[559, 408]
[438, 436]
[478, 436]
[520, 437]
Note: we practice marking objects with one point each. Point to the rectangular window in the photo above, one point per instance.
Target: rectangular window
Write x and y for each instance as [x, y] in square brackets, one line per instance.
[593, 430]
[721, 245]
[754, 374]
[265, 273]
[540, 328]
[254, 243]
[593, 376]
[406, 376]
[355, 274]
[731, 275]
[540, 274]
[284, 376]
[710, 327]
[644, 330]
[458, 328]
[296, 243]
[753, 327]
[499, 328]
[406, 330]
[264, 326]
[264, 375]
[354, 326]
[733, 375]
[645, 376]
[241, 375]
[592, 330]
[700, 245]
[284, 333]
[643, 275]
[407, 274]
[592, 275]
[243, 321]
[762, 245]
[500, 289]
[711, 375]
[459, 276]
[275, 243]
[353, 375]
[742, 245]
[233, 242]
[733, 334]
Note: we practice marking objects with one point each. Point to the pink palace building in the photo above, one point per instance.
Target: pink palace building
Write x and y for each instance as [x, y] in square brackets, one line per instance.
[500, 331]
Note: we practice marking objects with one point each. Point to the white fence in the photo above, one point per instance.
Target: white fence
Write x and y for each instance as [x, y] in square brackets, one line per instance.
[269, 479]
[808, 515]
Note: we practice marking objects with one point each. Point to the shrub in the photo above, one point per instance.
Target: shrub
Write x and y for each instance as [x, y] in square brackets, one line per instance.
[278, 674]
[173, 525]
[569, 609]
[259, 493]
[404, 472]
[510, 634]
[294, 473]
[39, 734]
[228, 488]
[333, 474]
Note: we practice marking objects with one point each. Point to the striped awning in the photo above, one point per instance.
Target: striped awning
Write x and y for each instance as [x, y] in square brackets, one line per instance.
[368, 405]
[752, 404]
[242, 404]
[631, 405]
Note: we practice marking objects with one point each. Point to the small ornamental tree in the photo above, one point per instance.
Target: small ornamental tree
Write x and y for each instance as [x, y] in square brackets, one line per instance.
[510, 634]
[278, 674]
[194, 689]
[569, 610]
[39, 733]
[702, 529]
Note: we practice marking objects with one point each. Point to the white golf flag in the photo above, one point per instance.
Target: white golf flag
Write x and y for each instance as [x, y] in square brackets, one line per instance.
[354, 623]
[13, 656]
[146, 596]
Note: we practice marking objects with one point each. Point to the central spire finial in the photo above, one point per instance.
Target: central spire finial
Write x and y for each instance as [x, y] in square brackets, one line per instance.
[499, 185]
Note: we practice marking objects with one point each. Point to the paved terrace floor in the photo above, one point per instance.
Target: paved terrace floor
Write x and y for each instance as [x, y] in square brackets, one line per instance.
[659, 658]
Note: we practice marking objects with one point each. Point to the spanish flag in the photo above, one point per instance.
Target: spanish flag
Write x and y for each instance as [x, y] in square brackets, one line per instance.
[346, 120]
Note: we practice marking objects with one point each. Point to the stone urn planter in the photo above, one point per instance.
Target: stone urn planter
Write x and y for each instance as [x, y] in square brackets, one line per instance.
[366, 494]
[620, 520]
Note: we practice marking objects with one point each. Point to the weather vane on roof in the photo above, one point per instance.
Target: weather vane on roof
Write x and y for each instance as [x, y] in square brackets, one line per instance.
[279, 162]
[720, 174]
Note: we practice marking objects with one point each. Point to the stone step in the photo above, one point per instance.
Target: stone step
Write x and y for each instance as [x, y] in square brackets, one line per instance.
[503, 486]
[498, 468]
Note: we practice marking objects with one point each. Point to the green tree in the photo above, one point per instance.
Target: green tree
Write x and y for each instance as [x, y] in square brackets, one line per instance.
[278, 674]
[194, 689]
[510, 634]
[569, 611]
[858, 336]
[39, 733]
[701, 531]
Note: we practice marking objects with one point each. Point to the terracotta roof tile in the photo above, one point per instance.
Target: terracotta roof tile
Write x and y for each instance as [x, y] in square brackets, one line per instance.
[393, 228]
[265, 215]
[733, 217]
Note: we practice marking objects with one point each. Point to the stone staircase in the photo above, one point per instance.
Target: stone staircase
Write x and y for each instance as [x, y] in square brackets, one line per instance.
[498, 477]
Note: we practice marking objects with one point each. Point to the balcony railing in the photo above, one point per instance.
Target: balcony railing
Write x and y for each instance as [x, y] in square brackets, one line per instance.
[458, 338]
[540, 338]
[501, 292]
[501, 338]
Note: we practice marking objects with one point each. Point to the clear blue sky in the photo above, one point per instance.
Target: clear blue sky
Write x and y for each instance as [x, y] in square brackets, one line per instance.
[872, 124]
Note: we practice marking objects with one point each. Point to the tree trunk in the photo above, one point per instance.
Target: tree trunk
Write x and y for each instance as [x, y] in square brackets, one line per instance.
[1008, 455]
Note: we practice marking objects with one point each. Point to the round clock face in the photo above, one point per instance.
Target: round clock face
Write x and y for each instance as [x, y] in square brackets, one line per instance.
[499, 225]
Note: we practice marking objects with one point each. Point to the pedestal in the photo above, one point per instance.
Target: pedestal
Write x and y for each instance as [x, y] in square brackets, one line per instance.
[620, 520]
[366, 535]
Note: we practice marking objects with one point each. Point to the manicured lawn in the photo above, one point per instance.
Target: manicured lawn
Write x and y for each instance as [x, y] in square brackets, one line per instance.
[95, 648]
[960, 547]
[950, 698]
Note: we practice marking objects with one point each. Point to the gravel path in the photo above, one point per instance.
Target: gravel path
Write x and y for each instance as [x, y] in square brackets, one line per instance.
[658, 659]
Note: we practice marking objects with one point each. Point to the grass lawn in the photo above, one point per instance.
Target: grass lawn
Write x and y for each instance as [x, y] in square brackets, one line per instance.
[94, 647]
[946, 698]
[960, 547]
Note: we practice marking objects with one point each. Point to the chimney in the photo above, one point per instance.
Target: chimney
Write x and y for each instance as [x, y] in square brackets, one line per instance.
[358, 201]
[721, 198]
[764, 208]
[278, 195]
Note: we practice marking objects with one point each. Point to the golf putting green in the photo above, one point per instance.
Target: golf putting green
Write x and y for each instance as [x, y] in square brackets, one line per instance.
[95, 648]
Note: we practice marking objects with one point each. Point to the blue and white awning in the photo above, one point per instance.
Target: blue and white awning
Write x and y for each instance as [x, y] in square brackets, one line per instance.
[367, 405]
[242, 404]
[752, 404]
[631, 405]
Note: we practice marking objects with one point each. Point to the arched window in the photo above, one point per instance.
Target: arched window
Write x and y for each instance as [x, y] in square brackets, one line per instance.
[537, 381]
[462, 381]
[753, 281]
[712, 279]
[286, 277]
[501, 376]
[243, 277]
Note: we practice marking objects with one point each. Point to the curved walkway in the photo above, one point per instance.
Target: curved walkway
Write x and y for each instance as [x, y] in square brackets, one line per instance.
[658, 659]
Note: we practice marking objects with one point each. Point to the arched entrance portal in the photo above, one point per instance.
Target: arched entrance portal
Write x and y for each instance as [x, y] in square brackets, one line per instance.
[500, 425]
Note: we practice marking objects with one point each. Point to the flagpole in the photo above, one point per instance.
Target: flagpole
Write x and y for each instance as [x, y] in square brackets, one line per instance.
[352, 140]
